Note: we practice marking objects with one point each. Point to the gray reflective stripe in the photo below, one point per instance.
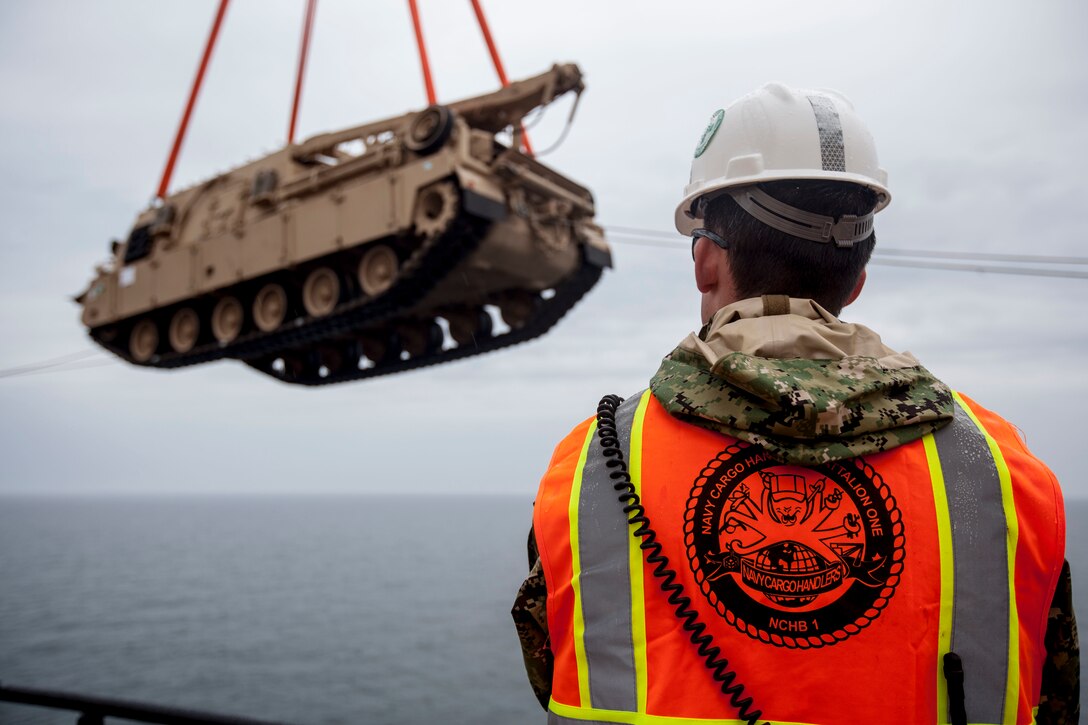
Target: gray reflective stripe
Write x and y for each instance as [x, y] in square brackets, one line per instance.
[606, 578]
[625, 421]
[829, 125]
[980, 599]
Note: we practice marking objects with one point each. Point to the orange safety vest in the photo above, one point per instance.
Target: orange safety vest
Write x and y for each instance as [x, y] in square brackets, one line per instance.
[834, 591]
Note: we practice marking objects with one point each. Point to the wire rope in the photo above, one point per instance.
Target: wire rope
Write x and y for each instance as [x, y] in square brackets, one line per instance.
[940, 254]
[80, 365]
[981, 268]
[920, 259]
[40, 365]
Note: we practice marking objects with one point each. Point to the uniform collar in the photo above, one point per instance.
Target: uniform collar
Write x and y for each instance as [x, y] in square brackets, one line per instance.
[806, 331]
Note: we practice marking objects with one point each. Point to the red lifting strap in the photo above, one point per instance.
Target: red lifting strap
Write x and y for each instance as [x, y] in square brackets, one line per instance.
[164, 185]
[422, 53]
[311, 6]
[498, 64]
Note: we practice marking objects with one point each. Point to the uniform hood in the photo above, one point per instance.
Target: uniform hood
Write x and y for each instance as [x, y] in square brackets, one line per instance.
[787, 375]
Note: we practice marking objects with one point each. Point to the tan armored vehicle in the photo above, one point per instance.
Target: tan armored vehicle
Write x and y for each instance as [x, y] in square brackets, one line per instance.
[385, 247]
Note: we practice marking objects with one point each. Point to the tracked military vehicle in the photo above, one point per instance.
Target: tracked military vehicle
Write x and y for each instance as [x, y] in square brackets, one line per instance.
[388, 246]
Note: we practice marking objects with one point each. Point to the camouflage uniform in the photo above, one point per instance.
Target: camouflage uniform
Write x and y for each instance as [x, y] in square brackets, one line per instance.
[530, 614]
[1060, 701]
[806, 412]
[810, 390]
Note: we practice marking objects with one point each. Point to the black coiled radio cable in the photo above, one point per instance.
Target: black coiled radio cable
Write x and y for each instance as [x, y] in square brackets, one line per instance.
[636, 514]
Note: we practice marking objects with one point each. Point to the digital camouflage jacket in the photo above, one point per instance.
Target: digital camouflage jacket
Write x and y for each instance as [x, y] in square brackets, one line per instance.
[809, 389]
[806, 387]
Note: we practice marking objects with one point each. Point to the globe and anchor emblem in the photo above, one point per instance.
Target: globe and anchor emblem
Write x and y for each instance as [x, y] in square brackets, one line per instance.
[792, 556]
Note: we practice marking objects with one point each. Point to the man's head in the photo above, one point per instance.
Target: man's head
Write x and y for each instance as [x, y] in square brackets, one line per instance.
[762, 260]
[788, 180]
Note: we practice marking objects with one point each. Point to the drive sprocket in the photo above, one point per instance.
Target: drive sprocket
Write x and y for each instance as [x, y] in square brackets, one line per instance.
[436, 208]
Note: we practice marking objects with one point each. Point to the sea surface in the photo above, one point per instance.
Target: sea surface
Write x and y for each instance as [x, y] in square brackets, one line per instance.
[304, 609]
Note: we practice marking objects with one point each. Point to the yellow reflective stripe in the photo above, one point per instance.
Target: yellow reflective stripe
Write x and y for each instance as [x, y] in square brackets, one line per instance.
[634, 554]
[640, 718]
[944, 537]
[576, 569]
[1012, 685]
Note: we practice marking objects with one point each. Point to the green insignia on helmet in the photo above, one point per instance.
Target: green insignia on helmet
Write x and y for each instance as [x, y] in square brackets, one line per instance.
[708, 134]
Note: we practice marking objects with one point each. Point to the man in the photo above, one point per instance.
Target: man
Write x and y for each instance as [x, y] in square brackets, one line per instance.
[795, 522]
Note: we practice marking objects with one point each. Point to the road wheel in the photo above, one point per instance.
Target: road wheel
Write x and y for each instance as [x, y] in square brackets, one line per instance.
[144, 340]
[421, 338]
[469, 326]
[321, 292]
[270, 307]
[227, 319]
[518, 308]
[334, 358]
[378, 270]
[184, 329]
[381, 346]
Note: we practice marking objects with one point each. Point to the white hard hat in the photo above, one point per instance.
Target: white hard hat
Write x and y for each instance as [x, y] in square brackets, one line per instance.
[779, 133]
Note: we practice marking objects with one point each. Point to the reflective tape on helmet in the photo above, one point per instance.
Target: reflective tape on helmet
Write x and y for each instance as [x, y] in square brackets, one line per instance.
[828, 125]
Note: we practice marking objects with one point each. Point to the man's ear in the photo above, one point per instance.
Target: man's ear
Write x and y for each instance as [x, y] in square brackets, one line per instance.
[707, 265]
[857, 288]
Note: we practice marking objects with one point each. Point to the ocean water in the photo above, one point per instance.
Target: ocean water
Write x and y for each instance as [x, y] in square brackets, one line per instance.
[310, 610]
[304, 609]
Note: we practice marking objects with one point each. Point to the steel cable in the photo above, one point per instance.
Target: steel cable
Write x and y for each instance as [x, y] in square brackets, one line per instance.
[923, 258]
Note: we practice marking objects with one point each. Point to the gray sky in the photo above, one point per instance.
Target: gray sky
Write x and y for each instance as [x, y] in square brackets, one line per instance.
[978, 109]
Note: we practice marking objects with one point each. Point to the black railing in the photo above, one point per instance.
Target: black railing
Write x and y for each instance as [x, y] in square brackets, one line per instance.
[94, 710]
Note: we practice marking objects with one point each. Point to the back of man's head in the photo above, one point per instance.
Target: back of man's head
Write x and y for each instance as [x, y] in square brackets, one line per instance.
[764, 260]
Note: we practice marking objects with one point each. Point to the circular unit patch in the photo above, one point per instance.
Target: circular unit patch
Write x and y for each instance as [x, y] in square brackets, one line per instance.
[793, 557]
[708, 134]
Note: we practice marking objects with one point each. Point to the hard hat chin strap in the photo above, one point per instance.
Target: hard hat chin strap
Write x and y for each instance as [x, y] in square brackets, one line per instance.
[846, 231]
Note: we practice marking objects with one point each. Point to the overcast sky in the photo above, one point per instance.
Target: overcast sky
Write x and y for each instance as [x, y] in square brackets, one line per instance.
[979, 110]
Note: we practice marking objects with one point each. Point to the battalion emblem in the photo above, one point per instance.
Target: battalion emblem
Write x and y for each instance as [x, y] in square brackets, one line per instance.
[791, 556]
[708, 133]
